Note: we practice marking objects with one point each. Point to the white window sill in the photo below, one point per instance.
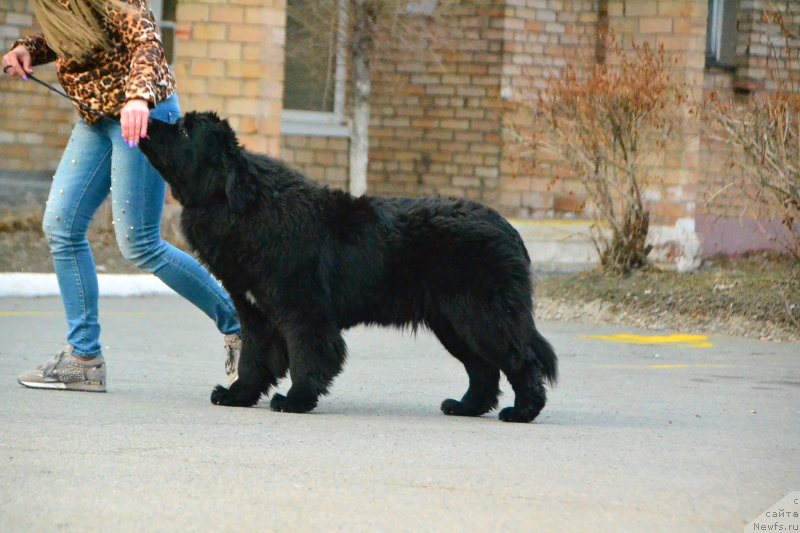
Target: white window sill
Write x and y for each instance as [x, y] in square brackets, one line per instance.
[313, 124]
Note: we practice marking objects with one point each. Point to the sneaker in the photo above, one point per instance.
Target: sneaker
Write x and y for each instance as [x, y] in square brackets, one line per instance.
[233, 348]
[67, 372]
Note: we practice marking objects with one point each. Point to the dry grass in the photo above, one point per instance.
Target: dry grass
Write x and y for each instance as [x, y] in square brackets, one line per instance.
[23, 246]
[25, 218]
[756, 296]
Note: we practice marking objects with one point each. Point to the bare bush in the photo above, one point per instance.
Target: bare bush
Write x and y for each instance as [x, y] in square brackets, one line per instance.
[604, 127]
[763, 134]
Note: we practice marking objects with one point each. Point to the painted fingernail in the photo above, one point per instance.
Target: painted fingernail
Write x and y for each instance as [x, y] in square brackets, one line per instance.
[131, 144]
[143, 136]
[24, 77]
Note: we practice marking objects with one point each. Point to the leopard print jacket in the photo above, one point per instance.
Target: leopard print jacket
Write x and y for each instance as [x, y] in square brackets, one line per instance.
[133, 67]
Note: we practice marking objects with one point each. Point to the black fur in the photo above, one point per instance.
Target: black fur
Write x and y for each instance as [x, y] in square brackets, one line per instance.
[304, 262]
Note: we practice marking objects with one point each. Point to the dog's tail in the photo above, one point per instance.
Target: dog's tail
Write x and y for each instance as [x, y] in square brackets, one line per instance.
[546, 357]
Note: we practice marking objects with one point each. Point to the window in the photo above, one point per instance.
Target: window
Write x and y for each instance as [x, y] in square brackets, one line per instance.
[164, 11]
[421, 7]
[314, 69]
[721, 33]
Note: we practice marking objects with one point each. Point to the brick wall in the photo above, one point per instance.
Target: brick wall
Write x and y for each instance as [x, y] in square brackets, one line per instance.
[540, 38]
[435, 125]
[680, 26]
[759, 41]
[438, 117]
[230, 60]
[323, 159]
[754, 75]
[34, 124]
[729, 219]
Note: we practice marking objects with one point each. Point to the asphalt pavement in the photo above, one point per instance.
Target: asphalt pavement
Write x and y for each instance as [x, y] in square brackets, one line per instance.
[702, 435]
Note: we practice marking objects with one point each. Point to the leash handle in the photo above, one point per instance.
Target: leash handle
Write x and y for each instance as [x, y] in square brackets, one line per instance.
[65, 95]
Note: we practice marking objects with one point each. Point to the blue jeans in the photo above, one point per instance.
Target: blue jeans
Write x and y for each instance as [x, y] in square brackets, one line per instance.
[97, 161]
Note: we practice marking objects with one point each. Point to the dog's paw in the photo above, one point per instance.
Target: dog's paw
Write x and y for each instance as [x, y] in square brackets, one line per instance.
[218, 395]
[452, 407]
[513, 414]
[282, 404]
[222, 396]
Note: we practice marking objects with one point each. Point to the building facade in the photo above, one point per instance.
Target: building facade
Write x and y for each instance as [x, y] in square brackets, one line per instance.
[438, 114]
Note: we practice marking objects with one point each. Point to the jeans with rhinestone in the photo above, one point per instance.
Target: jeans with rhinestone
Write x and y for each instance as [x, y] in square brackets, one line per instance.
[97, 161]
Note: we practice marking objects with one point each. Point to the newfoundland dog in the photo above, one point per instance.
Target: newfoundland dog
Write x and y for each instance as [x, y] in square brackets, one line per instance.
[303, 262]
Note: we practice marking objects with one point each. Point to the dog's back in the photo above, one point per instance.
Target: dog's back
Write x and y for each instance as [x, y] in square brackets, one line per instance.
[394, 261]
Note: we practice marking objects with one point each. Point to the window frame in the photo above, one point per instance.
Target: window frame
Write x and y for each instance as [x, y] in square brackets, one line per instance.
[157, 7]
[422, 7]
[721, 34]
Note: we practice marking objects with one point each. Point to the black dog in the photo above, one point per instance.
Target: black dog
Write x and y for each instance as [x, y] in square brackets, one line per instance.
[303, 262]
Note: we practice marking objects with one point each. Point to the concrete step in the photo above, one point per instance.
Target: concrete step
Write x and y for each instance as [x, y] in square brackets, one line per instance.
[558, 246]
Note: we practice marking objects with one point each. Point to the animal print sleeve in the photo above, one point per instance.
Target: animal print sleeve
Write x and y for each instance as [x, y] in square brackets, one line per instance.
[37, 47]
[141, 36]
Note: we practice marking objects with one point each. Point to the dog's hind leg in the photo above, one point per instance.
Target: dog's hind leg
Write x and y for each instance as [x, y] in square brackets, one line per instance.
[316, 356]
[510, 340]
[529, 392]
[527, 370]
[484, 376]
[263, 359]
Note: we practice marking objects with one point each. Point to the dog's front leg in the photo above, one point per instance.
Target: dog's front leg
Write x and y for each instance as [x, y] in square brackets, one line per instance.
[263, 359]
[316, 356]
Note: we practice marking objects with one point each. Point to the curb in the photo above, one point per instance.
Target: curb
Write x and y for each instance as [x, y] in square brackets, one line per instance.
[120, 285]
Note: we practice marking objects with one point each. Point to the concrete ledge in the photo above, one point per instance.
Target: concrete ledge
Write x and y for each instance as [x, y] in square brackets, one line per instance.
[39, 285]
[557, 246]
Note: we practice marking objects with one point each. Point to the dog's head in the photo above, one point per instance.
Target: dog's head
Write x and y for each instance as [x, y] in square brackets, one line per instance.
[200, 158]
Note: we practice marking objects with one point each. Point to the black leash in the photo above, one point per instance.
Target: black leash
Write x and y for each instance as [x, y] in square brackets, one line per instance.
[65, 95]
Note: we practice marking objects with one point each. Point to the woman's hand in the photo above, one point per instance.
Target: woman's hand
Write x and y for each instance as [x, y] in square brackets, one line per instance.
[19, 61]
[133, 119]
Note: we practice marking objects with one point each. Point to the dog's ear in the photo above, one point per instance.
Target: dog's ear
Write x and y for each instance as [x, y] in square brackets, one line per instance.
[240, 187]
[237, 179]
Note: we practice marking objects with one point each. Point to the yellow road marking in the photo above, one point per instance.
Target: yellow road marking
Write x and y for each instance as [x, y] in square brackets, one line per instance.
[689, 341]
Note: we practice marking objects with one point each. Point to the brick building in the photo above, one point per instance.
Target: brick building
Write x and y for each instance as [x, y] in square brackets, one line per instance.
[437, 115]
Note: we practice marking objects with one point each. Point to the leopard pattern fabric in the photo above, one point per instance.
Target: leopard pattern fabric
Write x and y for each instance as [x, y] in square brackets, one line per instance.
[133, 67]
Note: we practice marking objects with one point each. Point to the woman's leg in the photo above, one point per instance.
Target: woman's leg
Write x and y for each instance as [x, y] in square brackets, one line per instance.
[79, 186]
[138, 192]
